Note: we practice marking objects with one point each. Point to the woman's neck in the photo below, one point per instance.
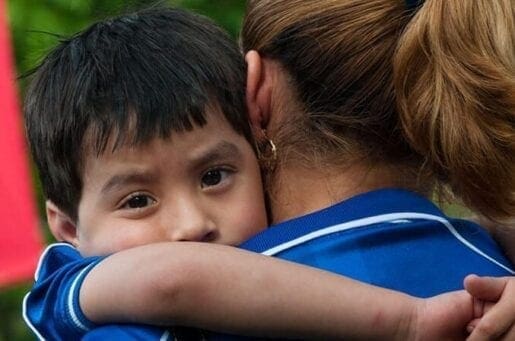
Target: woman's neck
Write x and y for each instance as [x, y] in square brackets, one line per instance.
[297, 191]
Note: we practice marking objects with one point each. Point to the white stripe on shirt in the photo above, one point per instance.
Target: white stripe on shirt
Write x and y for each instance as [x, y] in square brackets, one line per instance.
[383, 218]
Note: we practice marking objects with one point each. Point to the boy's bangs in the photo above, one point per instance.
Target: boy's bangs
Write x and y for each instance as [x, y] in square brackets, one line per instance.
[138, 93]
[142, 118]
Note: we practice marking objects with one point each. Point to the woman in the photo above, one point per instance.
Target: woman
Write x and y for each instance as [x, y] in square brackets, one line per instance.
[363, 96]
[390, 95]
[323, 93]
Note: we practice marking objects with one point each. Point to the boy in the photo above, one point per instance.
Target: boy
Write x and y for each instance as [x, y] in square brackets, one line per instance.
[138, 128]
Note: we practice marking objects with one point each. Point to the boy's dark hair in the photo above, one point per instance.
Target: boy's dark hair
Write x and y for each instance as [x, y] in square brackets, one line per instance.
[131, 79]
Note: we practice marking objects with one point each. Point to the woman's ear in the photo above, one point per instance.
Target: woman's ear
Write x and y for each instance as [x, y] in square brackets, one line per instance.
[61, 225]
[258, 90]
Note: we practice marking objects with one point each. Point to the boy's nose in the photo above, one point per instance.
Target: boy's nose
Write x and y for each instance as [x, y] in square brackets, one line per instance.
[192, 223]
[196, 234]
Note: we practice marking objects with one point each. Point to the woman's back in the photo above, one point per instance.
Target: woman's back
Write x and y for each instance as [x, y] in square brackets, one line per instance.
[391, 238]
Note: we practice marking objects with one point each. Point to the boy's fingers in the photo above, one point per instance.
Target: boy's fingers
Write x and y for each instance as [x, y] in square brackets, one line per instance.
[472, 325]
[498, 321]
[485, 288]
[480, 309]
[510, 335]
[496, 324]
[479, 306]
[487, 306]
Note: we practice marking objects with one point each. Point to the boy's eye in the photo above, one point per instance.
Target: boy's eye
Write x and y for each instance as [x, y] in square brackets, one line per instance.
[138, 201]
[214, 177]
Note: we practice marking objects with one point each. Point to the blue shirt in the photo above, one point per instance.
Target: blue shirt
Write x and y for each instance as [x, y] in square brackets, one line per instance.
[390, 238]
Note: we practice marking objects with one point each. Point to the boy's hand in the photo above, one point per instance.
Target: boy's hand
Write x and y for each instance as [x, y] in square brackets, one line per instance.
[443, 317]
[497, 320]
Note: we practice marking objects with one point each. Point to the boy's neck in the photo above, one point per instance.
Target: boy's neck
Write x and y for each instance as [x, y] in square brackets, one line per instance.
[297, 191]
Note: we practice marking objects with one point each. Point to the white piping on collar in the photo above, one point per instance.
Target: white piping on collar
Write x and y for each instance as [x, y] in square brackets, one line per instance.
[376, 220]
[27, 321]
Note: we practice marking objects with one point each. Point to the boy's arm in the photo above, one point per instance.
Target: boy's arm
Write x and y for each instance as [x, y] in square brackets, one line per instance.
[497, 295]
[222, 288]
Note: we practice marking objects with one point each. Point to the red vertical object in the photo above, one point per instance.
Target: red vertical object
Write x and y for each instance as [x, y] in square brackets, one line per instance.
[20, 240]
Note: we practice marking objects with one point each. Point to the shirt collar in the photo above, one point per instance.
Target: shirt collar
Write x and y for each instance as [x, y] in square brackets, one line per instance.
[378, 202]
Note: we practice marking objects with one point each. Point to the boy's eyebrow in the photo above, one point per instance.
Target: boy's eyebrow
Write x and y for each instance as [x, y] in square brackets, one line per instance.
[121, 180]
[221, 150]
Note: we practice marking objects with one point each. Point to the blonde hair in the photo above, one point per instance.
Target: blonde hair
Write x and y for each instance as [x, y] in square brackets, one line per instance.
[433, 90]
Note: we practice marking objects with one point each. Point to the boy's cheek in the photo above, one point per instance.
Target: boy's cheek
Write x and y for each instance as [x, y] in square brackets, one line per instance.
[253, 219]
[111, 238]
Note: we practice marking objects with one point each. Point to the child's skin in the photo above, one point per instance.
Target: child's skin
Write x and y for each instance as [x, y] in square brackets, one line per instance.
[204, 185]
[496, 295]
[496, 308]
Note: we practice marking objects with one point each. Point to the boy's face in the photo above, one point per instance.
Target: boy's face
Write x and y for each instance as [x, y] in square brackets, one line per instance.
[202, 185]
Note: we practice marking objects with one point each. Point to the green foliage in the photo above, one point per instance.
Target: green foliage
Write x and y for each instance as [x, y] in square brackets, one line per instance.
[36, 26]
[11, 323]
[228, 13]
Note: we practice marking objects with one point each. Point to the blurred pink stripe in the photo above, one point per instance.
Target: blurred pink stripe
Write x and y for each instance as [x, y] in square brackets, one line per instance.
[20, 238]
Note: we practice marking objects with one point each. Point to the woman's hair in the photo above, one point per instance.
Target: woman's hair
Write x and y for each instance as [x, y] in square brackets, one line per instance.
[431, 88]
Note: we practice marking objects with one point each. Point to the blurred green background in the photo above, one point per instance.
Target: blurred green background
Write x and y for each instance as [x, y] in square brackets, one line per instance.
[34, 26]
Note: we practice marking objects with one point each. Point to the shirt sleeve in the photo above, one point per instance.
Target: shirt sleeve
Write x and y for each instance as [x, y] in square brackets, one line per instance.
[130, 332]
[51, 309]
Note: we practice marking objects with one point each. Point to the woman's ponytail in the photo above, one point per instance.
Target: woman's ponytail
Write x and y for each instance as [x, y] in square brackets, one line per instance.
[454, 76]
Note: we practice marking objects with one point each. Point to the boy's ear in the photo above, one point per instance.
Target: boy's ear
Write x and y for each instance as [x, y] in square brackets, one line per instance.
[258, 91]
[61, 225]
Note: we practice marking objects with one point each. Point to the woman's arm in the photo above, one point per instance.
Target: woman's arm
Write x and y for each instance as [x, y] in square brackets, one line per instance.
[225, 289]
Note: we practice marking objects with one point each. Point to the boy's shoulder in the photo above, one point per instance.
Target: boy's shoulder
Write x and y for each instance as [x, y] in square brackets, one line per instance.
[54, 257]
[51, 309]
